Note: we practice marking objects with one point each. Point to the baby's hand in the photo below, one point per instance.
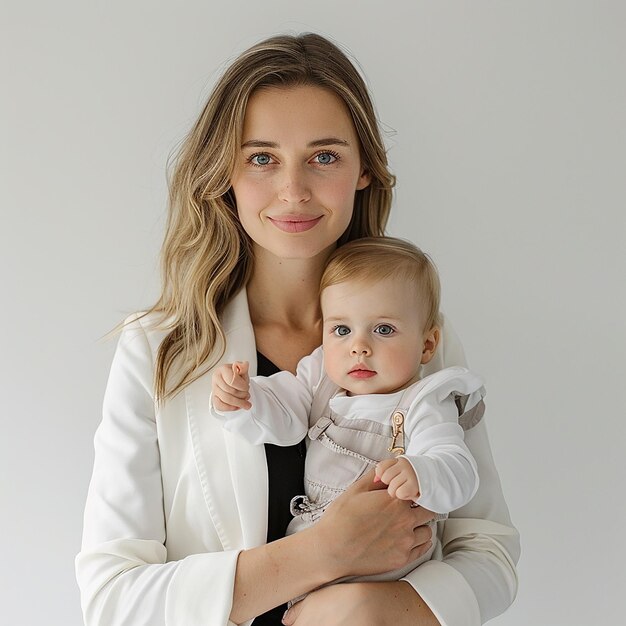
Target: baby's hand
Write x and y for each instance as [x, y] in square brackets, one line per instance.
[230, 387]
[400, 477]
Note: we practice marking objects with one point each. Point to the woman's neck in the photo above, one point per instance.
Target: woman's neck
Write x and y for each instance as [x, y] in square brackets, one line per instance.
[283, 298]
[285, 291]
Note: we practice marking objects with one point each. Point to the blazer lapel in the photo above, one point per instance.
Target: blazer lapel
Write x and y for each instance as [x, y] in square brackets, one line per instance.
[233, 473]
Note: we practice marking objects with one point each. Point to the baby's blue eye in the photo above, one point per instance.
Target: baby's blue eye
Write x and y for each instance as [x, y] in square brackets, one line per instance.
[260, 159]
[384, 329]
[326, 158]
[341, 331]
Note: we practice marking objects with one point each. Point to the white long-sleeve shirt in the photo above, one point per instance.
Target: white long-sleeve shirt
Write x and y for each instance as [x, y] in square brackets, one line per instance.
[433, 440]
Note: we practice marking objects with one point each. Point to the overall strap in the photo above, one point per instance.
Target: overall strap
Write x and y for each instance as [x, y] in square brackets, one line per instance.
[471, 407]
[321, 399]
[469, 417]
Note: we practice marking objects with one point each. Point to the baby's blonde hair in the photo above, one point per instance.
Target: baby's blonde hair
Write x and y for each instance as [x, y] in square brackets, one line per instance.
[372, 259]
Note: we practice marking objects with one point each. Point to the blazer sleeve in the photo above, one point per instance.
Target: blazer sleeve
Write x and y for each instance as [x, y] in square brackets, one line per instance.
[476, 579]
[122, 569]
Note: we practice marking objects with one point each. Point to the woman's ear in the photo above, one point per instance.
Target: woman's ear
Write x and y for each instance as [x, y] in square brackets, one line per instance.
[364, 180]
[431, 341]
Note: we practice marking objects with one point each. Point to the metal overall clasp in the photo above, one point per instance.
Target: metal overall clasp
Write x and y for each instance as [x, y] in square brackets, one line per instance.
[397, 433]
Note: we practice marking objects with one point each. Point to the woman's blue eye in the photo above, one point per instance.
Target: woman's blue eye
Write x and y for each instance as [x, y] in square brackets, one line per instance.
[384, 329]
[260, 159]
[341, 331]
[326, 158]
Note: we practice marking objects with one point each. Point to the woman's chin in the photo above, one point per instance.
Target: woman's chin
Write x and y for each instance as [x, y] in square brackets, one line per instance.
[297, 250]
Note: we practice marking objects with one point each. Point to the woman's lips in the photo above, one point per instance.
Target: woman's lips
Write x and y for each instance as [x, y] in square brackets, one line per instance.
[295, 224]
[360, 373]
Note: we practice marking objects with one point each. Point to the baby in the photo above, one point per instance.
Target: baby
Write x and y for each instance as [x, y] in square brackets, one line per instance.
[360, 397]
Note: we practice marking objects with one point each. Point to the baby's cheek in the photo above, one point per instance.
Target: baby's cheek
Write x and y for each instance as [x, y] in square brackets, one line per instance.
[332, 366]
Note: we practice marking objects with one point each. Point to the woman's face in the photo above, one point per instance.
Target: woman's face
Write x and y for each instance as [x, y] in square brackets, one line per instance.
[297, 171]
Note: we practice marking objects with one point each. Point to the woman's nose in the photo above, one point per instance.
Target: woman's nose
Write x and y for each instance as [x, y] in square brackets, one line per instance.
[294, 188]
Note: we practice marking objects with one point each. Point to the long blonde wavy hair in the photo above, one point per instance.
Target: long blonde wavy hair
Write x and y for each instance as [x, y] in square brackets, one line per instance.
[207, 256]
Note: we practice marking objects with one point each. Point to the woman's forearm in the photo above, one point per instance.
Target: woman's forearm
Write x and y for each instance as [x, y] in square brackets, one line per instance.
[399, 604]
[395, 604]
[363, 603]
[272, 574]
[362, 532]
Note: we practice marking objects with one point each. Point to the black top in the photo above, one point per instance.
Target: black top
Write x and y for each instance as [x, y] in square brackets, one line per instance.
[285, 469]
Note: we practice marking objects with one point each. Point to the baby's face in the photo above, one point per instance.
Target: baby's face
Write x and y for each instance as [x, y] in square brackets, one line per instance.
[373, 339]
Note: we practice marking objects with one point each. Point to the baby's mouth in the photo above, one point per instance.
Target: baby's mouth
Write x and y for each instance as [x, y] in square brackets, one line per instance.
[361, 372]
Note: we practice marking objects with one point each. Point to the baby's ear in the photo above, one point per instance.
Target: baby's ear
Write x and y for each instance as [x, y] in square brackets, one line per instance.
[431, 341]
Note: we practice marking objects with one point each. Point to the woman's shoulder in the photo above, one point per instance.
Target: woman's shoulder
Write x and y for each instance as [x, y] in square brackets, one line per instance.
[151, 327]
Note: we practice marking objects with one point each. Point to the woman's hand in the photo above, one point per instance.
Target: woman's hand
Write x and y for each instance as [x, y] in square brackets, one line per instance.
[366, 604]
[370, 532]
[364, 531]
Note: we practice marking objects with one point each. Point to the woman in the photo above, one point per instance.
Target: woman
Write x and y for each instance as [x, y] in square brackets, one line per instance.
[285, 163]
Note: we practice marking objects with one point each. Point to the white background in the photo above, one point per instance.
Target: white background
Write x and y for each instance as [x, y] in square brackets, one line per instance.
[506, 127]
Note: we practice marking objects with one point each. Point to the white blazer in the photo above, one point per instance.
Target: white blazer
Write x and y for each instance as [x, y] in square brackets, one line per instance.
[174, 498]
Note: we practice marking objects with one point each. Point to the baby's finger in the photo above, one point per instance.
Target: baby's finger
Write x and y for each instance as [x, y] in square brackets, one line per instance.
[239, 374]
[394, 484]
[390, 473]
[408, 491]
[222, 386]
[383, 466]
[224, 401]
[221, 373]
[244, 366]
[236, 370]
[237, 382]
[222, 406]
[238, 386]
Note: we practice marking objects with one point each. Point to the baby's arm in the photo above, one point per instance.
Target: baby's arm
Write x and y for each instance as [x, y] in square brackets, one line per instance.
[445, 469]
[261, 409]
[438, 472]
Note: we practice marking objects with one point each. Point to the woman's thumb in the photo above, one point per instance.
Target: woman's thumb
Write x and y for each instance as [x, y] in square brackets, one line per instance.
[291, 614]
[366, 483]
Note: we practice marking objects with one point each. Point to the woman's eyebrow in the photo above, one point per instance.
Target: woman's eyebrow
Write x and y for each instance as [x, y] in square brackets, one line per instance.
[318, 143]
[328, 141]
[258, 143]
